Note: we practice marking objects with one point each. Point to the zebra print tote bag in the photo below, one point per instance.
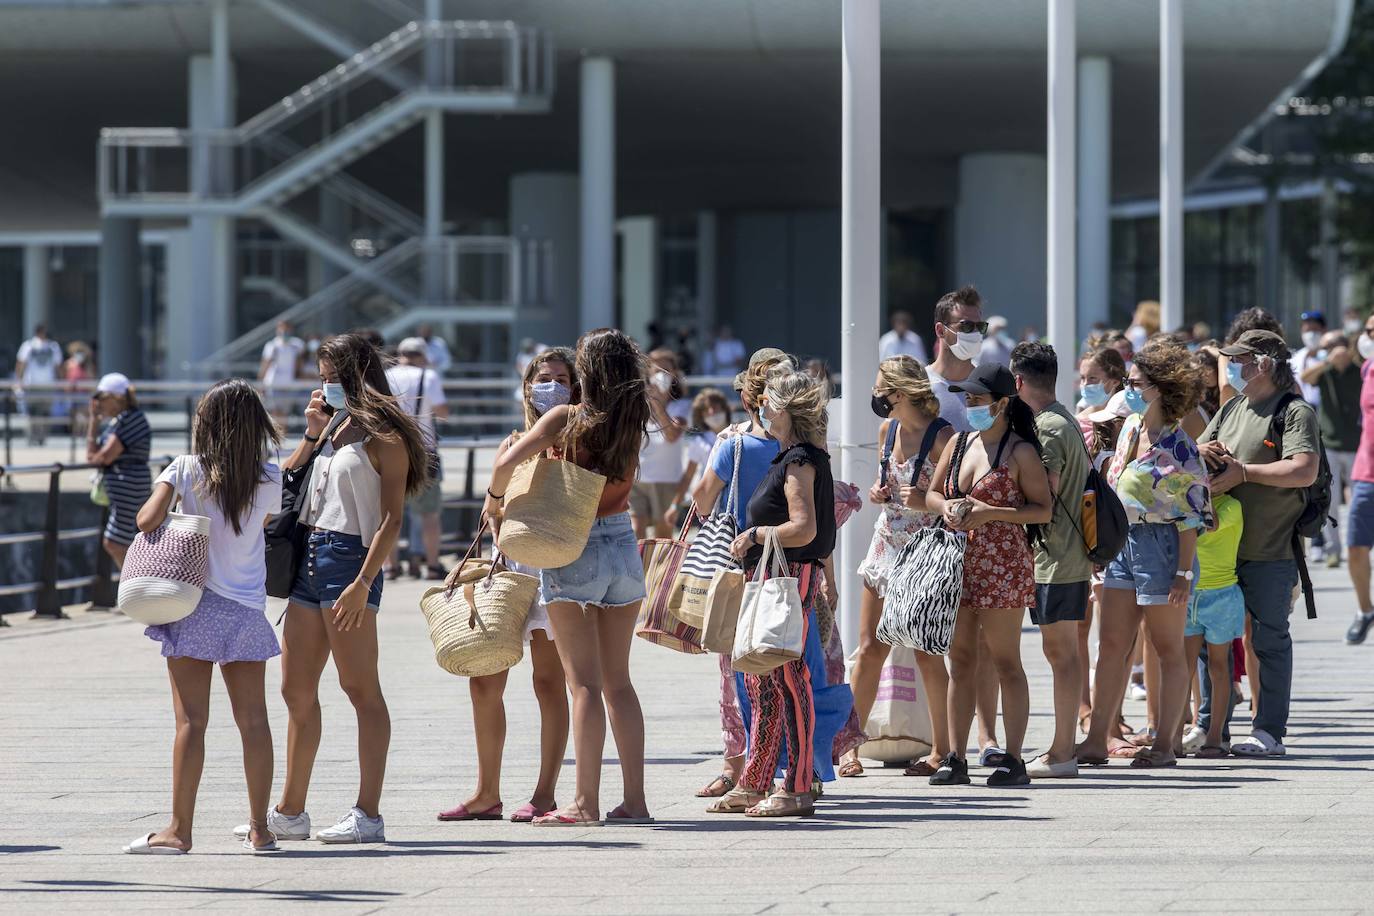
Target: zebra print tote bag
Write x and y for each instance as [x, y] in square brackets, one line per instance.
[709, 554]
[923, 593]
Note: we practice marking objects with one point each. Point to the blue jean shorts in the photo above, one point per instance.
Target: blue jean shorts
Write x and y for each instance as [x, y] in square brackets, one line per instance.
[332, 561]
[1147, 564]
[1217, 614]
[1359, 525]
[609, 573]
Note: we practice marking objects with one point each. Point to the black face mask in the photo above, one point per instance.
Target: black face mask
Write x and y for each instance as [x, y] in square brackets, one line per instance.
[882, 406]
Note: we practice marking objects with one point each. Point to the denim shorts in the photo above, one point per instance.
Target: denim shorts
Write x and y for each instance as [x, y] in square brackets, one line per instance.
[1147, 564]
[332, 561]
[1359, 524]
[609, 573]
[1217, 614]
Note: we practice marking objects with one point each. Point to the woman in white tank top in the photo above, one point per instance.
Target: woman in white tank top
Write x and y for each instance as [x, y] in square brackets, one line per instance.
[368, 462]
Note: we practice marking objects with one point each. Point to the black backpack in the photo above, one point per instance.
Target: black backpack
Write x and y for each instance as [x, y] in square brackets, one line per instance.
[1316, 496]
[1108, 534]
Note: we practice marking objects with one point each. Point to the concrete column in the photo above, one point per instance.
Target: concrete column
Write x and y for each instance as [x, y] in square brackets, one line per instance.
[1061, 101]
[434, 207]
[37, 289]
[1171, 177]
[598, 193]
[638, 275]
[860, 273]
[1330, 256]
[999, 233]
[1094, 191]
[707, 241]
[120, 310]
[213, 295]
[544, 211]
[1271, 264]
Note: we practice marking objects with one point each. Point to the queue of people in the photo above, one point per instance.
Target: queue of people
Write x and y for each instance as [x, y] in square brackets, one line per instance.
[1215, 498]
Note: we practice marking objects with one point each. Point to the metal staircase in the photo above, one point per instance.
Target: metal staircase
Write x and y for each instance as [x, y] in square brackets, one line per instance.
[286, 167]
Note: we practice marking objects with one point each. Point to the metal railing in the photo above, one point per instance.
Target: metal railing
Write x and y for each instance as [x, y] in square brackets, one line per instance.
[48, 587]
[478, 66]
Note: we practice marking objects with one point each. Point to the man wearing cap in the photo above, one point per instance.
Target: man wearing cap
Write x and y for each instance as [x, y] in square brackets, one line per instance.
[1309, 354]
[1268, 480]
[419, 391]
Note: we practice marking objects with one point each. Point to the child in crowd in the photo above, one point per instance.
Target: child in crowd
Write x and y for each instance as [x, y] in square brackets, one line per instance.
[1216, 617]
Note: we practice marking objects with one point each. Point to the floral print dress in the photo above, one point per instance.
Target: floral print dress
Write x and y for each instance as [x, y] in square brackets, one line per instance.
[895, 525]
[1165, 485]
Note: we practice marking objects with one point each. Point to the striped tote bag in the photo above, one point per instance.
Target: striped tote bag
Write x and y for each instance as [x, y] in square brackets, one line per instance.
[923, 592]
[708, 554]
[662, 558]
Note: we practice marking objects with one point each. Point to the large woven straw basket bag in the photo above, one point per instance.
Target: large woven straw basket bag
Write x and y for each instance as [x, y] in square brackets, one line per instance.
[477, 619]
[550, 508]
[164, 573]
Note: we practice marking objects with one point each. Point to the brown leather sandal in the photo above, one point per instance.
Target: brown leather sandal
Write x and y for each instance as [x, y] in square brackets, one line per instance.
[737, 801]
[783, 804]
[717, 787]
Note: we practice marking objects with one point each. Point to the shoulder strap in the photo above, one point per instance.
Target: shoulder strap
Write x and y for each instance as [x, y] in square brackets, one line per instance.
[956, 463]
[420, 398]
[732, 500]
[1222, 414]
[1006, 437]
[928, 442]
[1278, 423]
[885, 464]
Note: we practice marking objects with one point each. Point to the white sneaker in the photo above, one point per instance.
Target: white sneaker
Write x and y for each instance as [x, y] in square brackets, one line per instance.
[1193, 739]
[1041, 768]
[285, 826]
[1135, 691]
[356, 827]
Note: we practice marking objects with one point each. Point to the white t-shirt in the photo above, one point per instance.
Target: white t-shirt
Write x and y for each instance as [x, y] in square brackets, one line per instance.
[238, 570]
[699, 447]
[727, 356]
[282, 355]
[661, 461]
[952, 407]
[909, 344]
[1300, 361]
[41, 359]
[405, 385]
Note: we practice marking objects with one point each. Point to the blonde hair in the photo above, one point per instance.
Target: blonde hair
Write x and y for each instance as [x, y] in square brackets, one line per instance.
[804, 399]
[756, 380]
[1147, 315]
[905, 375]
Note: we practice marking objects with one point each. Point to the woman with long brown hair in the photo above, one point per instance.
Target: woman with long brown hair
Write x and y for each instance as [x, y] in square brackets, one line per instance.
[367, 465]
[594, 601]
[227, 479]
[548, 383]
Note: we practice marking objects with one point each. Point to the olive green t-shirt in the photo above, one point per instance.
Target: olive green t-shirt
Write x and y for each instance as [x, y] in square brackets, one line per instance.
[1062, 558]
[1270, 512]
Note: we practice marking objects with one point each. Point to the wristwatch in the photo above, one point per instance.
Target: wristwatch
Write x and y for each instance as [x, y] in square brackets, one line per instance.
[1187, 574]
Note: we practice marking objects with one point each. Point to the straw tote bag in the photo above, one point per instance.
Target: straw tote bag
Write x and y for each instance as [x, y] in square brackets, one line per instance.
[477, 619]
[772, 624]
[164, 573]
[550, 507]
[709, 553]
[662, 558]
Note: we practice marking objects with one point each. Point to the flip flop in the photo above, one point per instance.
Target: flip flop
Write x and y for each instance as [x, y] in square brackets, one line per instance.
[563, 820]
[1212, 752]
[140, 847]
[1146, 760]
[1122, 750]
[461, 813]
[261, 850]
[920, 767]
[528, 812]
[619, 817]
[1091, 761]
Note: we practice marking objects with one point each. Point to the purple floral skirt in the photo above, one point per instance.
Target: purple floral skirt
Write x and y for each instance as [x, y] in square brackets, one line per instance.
[218, 630]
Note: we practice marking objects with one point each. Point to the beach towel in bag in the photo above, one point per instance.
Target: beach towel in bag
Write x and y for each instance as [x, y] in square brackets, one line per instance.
[923, 592]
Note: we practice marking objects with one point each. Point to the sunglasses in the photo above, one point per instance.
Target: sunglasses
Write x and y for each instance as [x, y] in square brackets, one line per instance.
[971, 327]
[1137, 384]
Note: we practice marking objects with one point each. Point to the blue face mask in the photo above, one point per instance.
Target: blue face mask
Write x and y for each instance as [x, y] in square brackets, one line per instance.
[981, 418]
[1136, 401]
[545, 396]
[1235, 375]
[1095, 395]
[334, 395]
[765, 423]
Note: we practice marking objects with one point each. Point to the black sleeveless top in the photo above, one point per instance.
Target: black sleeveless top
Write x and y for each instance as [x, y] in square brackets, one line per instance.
[768, 505]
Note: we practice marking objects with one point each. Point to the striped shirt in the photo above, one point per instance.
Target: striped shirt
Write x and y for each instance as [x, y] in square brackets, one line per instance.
[128, 479]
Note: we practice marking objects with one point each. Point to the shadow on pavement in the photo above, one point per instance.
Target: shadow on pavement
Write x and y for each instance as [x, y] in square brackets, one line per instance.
[13, 850]
[107, 887]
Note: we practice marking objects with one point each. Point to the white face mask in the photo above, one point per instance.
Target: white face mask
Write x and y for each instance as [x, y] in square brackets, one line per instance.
[715, 422]
[662, 381]
[1366, 346]
[1311, 339]
[967, 346]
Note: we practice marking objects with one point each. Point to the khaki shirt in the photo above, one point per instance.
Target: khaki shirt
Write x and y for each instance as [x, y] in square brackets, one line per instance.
[1270, 512]
[1062, 558]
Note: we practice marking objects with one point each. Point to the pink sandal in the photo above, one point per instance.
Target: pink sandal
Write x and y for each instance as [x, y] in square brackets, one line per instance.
[527, 812]
[563, 820]
[461, 813]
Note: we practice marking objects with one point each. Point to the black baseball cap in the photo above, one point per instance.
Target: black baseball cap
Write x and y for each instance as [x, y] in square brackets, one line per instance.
[989, 378]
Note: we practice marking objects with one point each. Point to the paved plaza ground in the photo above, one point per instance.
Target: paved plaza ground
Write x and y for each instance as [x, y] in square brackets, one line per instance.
[85, 742]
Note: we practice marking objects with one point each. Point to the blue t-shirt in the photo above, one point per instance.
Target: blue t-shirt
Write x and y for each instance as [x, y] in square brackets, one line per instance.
[755, 458]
